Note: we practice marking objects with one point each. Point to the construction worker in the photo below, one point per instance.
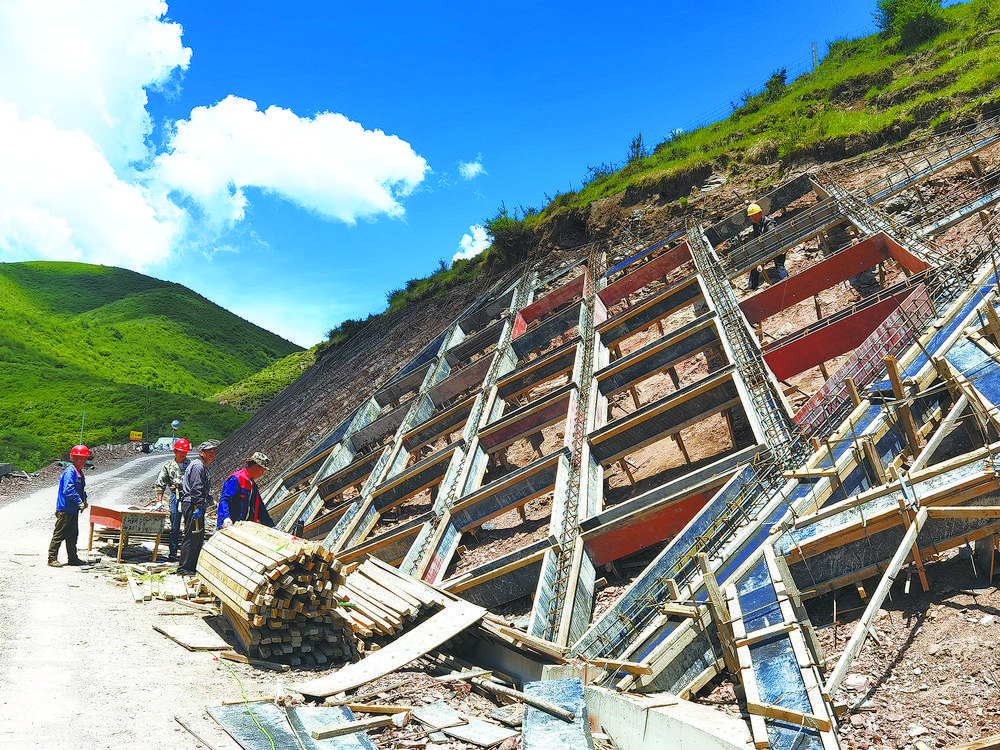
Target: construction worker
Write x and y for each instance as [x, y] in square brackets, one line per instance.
[71, 500]
[171, 477]
[240, 498]
[196, 497]
[761, 225]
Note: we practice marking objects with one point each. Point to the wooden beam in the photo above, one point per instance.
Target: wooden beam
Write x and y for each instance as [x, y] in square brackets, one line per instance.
[720, 613]
[681, 610]
[986, 743]
[617, 665]
[361, 725]
[788, 715]
[965, 511]
[861, 630]
[903, 409]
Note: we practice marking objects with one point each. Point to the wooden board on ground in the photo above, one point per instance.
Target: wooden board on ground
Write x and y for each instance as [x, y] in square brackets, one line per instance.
[427, 636]
[438, 715]
[192, 635]
[480, 732]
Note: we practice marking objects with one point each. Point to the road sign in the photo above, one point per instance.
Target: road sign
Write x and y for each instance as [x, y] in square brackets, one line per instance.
[135, 436]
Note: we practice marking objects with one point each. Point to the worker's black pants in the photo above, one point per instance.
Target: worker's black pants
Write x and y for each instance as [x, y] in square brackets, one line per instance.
[194, 536]
[67, 529]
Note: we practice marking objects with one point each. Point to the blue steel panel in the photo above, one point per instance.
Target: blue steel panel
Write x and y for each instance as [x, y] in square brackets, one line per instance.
[758, 602]
[954, 323]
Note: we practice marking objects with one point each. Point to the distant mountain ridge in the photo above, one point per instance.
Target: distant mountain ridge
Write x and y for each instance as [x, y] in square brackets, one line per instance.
[75, 336]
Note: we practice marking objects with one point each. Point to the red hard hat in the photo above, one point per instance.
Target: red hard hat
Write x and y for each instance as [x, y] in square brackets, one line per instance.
[80, 450]
[182, 444]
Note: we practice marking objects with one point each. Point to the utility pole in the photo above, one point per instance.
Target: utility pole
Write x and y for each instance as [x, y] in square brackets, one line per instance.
[815, 59]
[82, 423]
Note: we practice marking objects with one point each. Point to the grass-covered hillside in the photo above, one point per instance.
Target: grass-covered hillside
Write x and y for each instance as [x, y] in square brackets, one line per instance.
[250, 394]
[114, 344]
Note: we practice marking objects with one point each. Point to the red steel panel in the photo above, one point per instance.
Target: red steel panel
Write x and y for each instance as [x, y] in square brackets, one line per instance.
[520, 326]
[661, 266]
[645, 530]
[552, 411]
[815, 279]
[830, 341]
[904, 257]
[554, 299]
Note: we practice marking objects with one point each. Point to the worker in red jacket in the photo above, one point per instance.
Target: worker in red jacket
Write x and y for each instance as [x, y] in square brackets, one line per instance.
[240, 498]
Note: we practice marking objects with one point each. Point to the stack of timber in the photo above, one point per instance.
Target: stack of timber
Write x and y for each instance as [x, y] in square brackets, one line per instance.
[381, 600]
[278, 594]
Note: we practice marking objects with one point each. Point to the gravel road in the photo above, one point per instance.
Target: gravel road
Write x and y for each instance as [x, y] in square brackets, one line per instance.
[80, 663]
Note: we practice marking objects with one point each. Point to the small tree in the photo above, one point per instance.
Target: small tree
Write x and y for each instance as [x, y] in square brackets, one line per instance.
[914, 21]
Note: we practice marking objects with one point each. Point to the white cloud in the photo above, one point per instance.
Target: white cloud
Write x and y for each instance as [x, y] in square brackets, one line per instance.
[473, 244]
[85, 66]
[78, 176]
[471, 169]
[326, 164]
[72, 120]
[61, 200]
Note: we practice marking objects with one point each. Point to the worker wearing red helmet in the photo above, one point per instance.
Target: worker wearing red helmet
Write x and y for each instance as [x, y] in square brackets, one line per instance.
[171, 477]
[71, 500]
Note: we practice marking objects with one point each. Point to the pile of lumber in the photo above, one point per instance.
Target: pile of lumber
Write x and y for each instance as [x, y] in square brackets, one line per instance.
[278, 594]
[380, 600]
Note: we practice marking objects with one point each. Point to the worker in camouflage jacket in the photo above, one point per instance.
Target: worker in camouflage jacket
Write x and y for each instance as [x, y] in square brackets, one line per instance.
[240, 498]
[170, 479]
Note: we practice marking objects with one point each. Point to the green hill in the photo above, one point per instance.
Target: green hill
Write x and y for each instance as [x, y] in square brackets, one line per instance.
[114, 344]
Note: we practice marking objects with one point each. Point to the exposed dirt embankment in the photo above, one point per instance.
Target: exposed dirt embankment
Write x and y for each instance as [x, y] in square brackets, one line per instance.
[339, 381]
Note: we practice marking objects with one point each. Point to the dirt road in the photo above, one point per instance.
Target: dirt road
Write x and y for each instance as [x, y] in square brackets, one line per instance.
[80, 663]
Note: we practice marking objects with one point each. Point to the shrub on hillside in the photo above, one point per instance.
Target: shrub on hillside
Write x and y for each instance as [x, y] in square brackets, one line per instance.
[913, 21]
[26, 451]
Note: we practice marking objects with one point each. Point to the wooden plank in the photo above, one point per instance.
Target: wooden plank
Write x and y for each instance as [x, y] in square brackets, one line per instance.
[985, 743]
[617, 665]
[192, 636]
[965, 511]
[786, 714]
[351, 727]
[430, 634]
[861, 629]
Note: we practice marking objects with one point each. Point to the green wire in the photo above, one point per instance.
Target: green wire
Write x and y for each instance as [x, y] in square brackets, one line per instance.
[246, 703]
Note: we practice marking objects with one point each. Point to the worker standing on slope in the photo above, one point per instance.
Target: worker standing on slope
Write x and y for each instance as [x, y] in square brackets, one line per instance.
[71, 500]
[196, 497]
[240, 498]
[171, 477]
[762, 225]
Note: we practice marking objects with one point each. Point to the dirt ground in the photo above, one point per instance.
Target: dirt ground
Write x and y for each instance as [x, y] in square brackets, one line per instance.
[82, 666]
[80, 662]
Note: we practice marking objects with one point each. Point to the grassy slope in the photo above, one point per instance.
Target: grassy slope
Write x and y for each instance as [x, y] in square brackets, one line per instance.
[866, 88]
[77, 337]
[252, 393]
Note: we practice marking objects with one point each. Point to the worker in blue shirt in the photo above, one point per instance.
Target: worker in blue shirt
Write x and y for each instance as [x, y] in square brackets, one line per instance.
[240, 498]
[71, 500]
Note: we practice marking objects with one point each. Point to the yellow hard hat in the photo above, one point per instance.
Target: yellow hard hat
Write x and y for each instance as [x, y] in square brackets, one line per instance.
[752, 209]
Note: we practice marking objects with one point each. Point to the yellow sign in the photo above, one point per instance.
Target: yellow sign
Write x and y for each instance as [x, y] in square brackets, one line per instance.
[136, 436]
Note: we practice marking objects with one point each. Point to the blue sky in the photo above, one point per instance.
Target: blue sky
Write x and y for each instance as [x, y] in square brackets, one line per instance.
[294, 162]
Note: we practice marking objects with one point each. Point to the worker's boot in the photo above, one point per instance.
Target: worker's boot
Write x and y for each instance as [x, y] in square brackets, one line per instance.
[55, 564]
